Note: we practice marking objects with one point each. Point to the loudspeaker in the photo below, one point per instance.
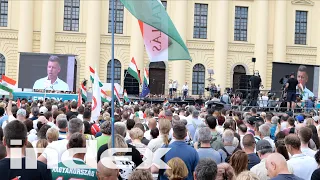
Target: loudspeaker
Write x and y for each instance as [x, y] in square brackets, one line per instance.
[253, 60]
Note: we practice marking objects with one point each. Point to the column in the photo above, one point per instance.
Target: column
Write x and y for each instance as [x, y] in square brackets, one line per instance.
[136, 45]
[221, 43]
[48, 26]
[279, 41]
[261, 44]
[25, 36]
[179, 18]
[93, 36]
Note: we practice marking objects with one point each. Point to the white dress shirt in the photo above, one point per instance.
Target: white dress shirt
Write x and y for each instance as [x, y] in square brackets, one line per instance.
[57, 85]
[185, 87]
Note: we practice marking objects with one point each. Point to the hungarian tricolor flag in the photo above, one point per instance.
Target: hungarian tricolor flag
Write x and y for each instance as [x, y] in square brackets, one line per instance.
[125, 96]
[116, 94]
[134, 71]
[7, 84]
[96, 98]
[104, 96]
[161, 38]
[83, 90]
[92, 73]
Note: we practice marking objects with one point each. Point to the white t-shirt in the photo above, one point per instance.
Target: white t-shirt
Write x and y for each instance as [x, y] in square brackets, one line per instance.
[10, 118]
[303, 165]
[147, 135]
[54, 151]
[80, 116]
[308, 152]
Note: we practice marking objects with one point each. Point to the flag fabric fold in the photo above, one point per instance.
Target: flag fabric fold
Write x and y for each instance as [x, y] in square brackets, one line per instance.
[92, 75]
[83, 90]
[116, 94]
[96, 98]
[134, 71]
[125, 96]
[162, 40]
[7, 84]
[145, 87]
[18, 103]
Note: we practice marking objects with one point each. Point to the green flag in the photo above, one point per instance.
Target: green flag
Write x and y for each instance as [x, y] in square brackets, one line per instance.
[161, 38]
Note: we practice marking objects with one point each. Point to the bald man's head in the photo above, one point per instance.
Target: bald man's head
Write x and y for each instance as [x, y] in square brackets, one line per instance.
[152, 123]
[104, 173]
[276, 164]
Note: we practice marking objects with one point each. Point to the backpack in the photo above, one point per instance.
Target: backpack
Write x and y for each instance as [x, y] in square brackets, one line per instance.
[228, 155]
[216, 141]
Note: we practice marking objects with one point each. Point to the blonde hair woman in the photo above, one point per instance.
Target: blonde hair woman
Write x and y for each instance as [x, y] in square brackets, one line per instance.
[163, 138]
[136, 136]
[178, 171]
[247, 175]
[52, 135]
[42, 143]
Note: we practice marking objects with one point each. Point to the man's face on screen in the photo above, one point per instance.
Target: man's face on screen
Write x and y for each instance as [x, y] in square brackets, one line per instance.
[302, 78]
[53, 70]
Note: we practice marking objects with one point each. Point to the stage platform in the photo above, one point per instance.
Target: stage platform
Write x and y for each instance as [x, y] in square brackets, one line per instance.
[188, 101]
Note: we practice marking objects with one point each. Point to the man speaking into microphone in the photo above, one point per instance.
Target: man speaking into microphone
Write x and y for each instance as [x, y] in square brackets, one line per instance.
[52, 80]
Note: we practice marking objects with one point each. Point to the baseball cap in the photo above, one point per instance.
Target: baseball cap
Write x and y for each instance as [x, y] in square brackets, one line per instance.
[290, 113]
[252, 120]
[21, 112]
[316, 118]
[300, 118]
[262, 145]
[43, 110]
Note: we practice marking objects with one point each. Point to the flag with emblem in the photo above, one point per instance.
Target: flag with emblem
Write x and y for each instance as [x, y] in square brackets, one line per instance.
[7, 84]
[96, 98]
[134, 71]
[79, 98]
[145, 87]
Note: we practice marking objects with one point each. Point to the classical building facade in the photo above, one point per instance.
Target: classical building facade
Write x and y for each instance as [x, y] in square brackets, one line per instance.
[222, 35]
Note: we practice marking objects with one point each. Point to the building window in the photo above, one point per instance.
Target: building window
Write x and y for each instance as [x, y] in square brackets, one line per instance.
[164, 3]
[117, 72]
[118, 17]
[71, 15]
[3, 13]
[301, 27]
[241, 23]
[198, 79]
[200, 21]
[2, 65]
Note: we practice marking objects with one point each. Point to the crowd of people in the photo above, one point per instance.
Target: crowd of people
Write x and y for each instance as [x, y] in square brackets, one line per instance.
[204, 143]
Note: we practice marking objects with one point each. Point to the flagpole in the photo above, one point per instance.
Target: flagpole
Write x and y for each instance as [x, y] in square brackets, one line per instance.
[112, 74]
